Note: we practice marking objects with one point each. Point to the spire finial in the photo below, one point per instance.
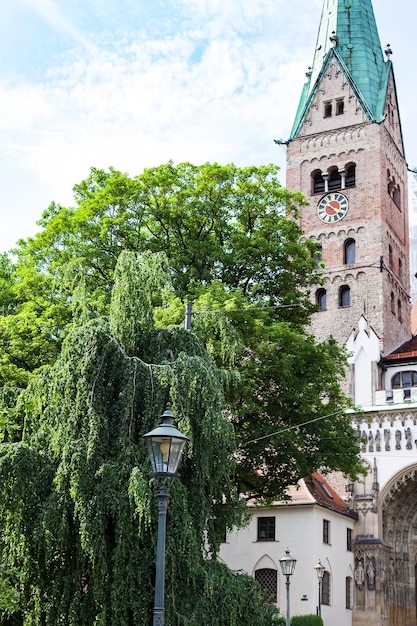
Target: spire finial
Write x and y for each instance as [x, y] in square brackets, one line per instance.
[388, 52]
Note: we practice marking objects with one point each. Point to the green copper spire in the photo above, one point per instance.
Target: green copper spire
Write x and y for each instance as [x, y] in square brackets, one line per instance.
[348, 30]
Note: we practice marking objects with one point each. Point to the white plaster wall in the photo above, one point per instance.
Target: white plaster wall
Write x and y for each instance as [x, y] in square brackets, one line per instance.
[363, 347]
[300, 528]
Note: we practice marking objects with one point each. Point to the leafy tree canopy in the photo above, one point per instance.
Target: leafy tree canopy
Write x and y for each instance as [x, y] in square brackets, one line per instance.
[232, 243]
[77, 508]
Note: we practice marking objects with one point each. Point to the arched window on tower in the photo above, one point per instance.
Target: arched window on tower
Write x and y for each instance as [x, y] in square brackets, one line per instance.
[318, 182]
[344, 296]
[400, 269]
[321, 298]
[350, 180]
[335, 180]
[394, 189]
[349, 252]
[400, 311]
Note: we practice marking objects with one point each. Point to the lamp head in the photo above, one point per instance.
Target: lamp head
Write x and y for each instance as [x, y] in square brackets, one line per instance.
[287, 563]
[165, 445]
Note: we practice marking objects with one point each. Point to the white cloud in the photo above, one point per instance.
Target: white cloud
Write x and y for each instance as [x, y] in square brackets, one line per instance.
[206, 81]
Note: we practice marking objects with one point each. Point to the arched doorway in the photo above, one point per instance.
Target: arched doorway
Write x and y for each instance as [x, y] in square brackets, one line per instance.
[399, 563]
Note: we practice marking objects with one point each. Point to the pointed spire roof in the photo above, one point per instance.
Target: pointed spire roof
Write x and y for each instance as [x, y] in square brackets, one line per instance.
[348, 31]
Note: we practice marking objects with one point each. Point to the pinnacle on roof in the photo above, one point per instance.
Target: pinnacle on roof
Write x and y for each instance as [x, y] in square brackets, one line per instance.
[348, 30]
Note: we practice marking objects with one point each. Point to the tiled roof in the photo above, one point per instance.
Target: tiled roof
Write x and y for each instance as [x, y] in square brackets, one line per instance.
[314, 489]
[324, 494]
[407, 350]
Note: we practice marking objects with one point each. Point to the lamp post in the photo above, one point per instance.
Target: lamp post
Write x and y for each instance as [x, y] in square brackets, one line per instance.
[320, 573]
[165, 445]
[287, 564]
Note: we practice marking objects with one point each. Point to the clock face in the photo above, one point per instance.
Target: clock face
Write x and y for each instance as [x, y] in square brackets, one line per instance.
[332, 208]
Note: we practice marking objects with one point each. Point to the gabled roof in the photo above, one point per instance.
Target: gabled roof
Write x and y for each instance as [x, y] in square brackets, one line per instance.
[348, 31]
[323, 494]
[313, 490]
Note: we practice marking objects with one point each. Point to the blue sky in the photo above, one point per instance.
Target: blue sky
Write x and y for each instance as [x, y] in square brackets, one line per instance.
[134, 83]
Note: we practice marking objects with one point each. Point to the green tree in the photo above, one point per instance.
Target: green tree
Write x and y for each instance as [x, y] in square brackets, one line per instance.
[214, 223]
[77, 507]
[232, 240]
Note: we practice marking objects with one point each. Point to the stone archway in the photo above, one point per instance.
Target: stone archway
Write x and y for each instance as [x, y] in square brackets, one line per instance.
[399, 555]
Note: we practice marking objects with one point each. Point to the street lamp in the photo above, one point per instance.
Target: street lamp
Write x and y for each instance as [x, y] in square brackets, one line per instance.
[287, 564]
[165, 445]
[320, 573]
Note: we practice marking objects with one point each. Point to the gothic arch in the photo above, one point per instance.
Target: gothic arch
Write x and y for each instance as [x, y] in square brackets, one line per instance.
[398, 521]
[265, 562]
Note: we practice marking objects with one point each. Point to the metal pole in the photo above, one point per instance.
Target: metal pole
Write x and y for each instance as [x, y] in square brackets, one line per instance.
[287, 584]
[319, 597]
[159, 608]
[188, 315]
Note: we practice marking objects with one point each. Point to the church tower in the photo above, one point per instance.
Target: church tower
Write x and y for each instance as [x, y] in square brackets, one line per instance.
[346, 154]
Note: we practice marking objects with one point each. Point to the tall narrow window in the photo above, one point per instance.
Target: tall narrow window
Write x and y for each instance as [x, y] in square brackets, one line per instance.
[321, 299]
[340, 106]
[390, 257]
[349, 539]
[392, 303]
[326, 531]
[328, 109]
[344, 296]
[350, 180]
[349, 252]
[325, 589]
[400, 311]
[266, 528]
[335, 180]
[318, 182]
[348, 592]
[268, 580]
